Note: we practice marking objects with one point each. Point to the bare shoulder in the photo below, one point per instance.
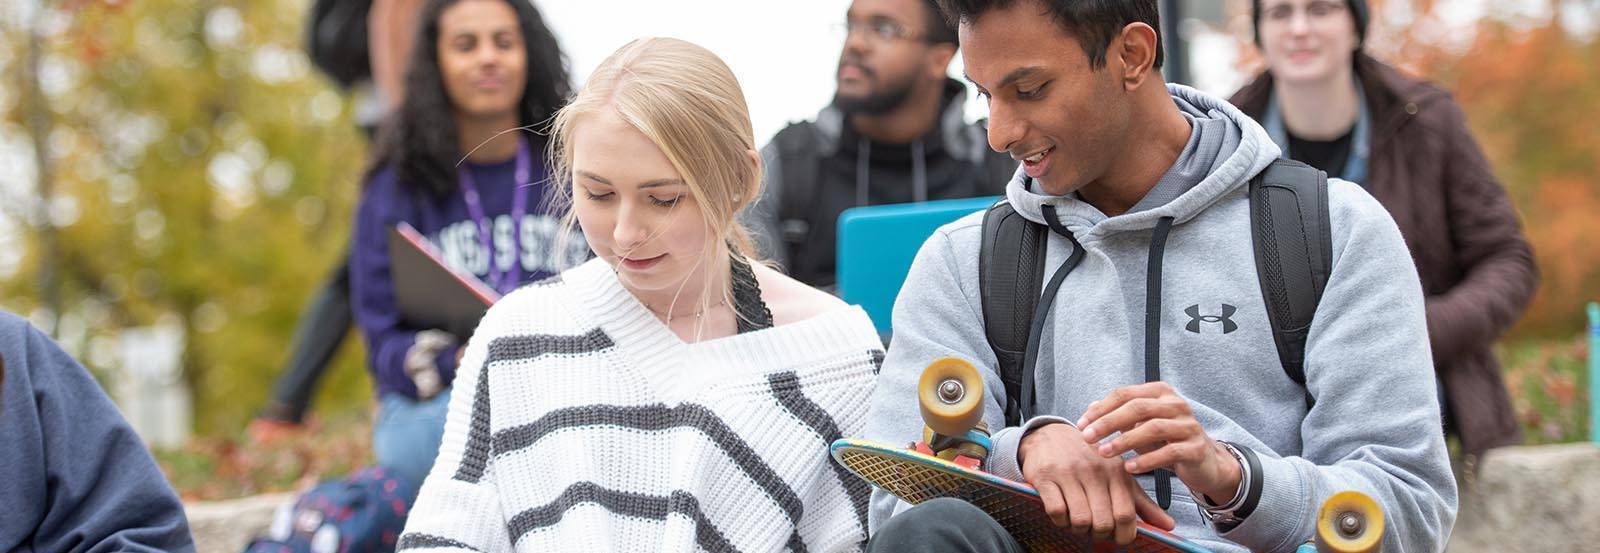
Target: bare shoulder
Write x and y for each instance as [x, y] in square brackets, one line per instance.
[791, 300]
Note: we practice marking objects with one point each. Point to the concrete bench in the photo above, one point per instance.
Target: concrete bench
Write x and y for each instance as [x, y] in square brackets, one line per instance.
[226, 526]
[1531, 498]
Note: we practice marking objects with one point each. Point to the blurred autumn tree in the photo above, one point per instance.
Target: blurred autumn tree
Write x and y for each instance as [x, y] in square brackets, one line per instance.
[203, 177]
[1530, 93]
[1530, 87]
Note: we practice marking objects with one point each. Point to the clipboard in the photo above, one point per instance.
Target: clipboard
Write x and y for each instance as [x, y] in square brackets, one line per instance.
[428, 292]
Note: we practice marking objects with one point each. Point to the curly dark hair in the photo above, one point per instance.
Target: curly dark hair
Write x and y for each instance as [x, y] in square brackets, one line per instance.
[420, 140]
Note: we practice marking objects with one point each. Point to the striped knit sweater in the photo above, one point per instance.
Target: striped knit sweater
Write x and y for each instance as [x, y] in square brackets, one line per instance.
[609, 433]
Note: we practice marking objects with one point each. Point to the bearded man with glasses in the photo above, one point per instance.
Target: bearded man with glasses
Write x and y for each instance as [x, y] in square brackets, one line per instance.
[894, 133]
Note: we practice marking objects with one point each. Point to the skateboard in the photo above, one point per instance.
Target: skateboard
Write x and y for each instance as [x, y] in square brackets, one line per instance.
[946, 463]
[917, 477]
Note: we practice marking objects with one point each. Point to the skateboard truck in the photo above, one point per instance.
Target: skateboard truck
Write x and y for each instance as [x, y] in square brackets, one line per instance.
[950, 393]
[968, 450]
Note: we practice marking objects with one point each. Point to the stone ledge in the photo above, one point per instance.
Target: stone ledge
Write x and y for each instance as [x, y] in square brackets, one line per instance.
[226, 526]
[1532, 498]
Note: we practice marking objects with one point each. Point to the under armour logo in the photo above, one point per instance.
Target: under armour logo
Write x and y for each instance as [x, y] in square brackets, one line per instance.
[1195, 318]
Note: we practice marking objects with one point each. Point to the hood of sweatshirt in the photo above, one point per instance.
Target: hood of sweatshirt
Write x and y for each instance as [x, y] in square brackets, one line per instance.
[1227, 173]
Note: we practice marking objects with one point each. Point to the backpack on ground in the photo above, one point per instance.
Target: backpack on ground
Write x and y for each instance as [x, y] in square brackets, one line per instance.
[361, 513]
[1293, 251]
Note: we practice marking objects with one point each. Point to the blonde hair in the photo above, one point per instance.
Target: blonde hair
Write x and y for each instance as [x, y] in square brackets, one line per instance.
[686, 101]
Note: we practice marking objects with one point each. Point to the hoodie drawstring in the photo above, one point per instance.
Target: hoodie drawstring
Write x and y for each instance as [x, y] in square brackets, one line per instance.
[1152, 324]
[1030, 356]
[919, 172]
[863, 170]
[1152, 335]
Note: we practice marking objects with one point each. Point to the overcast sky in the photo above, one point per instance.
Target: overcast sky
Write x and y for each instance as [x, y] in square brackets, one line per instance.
[784, 53]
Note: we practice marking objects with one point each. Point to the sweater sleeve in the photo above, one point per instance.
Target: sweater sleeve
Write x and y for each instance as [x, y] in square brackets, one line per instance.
[1499, 273]
[1375, 425]
[458, 508]
[941, 320]
[372, 294]
[89, 481]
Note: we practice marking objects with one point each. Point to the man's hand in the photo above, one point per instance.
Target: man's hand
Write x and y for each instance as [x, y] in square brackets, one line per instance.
[1082, 489]
[1157, 423]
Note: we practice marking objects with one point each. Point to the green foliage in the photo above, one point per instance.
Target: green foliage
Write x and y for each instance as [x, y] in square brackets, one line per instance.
[209, 174]
[1549, 383]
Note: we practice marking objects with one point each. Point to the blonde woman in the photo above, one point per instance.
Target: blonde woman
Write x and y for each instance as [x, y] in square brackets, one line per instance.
[672, 394]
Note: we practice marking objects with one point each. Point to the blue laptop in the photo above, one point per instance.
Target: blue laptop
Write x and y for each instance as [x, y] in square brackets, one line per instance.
[877, 244]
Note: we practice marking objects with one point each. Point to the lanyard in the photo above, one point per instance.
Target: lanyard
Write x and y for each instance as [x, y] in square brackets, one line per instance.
[503, 282]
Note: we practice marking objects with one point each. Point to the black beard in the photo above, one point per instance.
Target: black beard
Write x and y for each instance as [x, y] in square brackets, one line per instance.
[875, 104]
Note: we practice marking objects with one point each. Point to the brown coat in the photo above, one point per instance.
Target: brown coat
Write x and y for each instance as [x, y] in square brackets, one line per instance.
[1477, 269]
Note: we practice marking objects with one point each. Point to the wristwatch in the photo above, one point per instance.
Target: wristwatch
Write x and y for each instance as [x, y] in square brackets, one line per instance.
[1230, 514]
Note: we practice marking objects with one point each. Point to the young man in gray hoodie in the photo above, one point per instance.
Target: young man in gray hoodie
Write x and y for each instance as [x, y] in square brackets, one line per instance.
[1144, 188]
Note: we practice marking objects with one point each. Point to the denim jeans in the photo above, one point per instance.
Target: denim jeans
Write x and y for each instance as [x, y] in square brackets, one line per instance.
[406, 437]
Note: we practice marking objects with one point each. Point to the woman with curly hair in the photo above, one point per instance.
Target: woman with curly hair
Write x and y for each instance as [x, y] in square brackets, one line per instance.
[456, 164]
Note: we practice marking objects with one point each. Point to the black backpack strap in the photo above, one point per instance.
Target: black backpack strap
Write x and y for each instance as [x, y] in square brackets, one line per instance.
[798, 166]
[1294, 254]
[1010, 273]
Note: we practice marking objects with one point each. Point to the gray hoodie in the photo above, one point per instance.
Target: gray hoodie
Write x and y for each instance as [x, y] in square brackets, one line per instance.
[1375, 424]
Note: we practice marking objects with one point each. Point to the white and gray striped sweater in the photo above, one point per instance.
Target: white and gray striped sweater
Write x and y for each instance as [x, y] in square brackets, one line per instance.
[609, 433]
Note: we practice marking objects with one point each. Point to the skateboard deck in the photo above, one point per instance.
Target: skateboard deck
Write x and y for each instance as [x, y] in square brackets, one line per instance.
[916, 477]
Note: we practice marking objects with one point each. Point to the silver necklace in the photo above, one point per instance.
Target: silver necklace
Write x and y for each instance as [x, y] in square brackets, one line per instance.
[697, 314]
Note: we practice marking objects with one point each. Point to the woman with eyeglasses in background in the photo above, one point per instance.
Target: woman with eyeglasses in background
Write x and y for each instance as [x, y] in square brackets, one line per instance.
[1327, 103]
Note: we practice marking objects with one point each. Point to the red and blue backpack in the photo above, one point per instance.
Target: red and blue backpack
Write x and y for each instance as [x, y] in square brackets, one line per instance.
[361, 513]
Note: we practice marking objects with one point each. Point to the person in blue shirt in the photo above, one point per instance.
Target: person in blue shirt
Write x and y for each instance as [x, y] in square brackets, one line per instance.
[458, 163]
[76, 477]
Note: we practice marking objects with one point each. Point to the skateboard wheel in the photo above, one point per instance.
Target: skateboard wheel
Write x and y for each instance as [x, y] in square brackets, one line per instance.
[951, 394]
[1350, 522]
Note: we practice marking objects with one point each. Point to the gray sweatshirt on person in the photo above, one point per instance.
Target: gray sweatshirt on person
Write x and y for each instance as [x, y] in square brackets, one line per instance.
[1374, 426]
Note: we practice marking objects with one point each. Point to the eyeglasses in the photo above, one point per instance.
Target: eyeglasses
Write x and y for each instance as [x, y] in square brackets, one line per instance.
[880, 29]
[1316, 9]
